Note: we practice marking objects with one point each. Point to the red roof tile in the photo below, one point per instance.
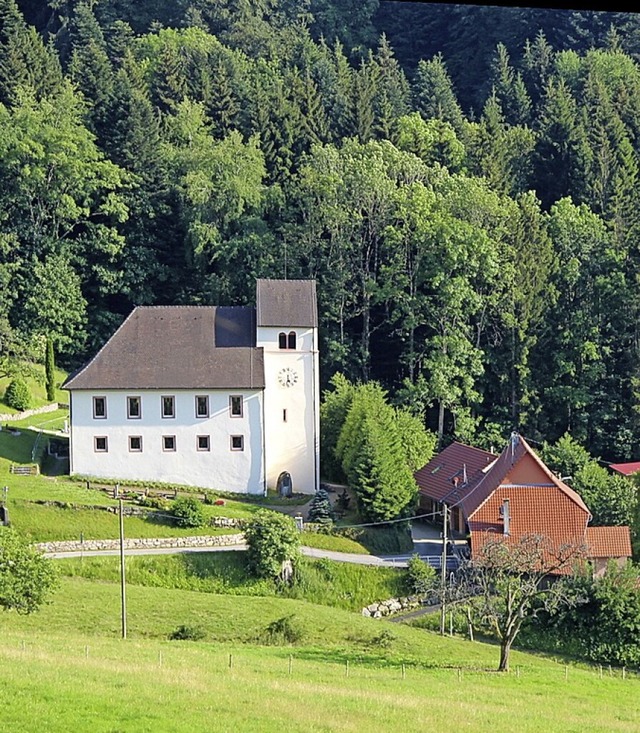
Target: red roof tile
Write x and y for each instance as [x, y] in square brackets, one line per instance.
[508, 469]
[608, 542]
[437, 479]
[626, 469]
[542, 510]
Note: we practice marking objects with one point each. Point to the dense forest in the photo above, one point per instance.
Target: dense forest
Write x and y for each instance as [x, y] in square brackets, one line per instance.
[462, 181]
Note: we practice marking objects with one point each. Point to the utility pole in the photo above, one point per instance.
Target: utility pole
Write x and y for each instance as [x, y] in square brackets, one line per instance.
[122, 577]
[443, 568]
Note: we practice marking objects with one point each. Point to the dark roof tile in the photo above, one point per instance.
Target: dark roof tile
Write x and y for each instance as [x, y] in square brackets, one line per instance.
[175, 347]
[286, 303]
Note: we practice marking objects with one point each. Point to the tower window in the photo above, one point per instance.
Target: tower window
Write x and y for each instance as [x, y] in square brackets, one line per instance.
[291, 340]
[282, 340]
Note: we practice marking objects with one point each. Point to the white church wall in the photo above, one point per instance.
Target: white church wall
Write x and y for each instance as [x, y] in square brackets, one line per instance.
[222, 467]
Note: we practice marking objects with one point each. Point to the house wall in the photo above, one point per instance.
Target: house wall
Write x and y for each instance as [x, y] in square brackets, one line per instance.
[291, 413]
[219, 468]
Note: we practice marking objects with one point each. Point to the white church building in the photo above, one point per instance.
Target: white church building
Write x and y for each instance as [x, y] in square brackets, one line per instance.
[219, 397]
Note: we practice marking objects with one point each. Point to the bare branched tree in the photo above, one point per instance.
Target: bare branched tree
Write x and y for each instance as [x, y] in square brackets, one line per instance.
[509, 581]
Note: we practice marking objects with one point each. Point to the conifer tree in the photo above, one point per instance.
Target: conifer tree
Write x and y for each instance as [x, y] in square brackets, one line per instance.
[49, 368]
[433, 93]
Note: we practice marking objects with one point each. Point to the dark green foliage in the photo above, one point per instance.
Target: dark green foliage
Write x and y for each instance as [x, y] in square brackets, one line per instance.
[188, 512]
[187, 633]
[27, 578]
[604, 627]
[461, 181]
[49, 369]
[18, 395]
[320, 509]
[272, 541]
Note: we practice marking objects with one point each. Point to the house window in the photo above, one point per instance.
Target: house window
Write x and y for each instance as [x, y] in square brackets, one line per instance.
[135, 443]
[100, 444]
[291, 340]
[282, 340]
[134, 408]
[235, 405]
[237, 442]
[203, 443]
[168, 443]
[99, 407]
[202, 406]
[168, 406]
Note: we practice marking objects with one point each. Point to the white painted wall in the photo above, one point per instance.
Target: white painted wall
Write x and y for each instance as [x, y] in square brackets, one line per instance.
[292, 445]
[220, 468]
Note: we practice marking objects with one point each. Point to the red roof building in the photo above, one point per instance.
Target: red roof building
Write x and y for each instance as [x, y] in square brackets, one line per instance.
[512, 495]
[626, 469]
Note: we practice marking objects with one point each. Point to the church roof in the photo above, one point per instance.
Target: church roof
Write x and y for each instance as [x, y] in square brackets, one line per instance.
[286, 303]
[177, 347]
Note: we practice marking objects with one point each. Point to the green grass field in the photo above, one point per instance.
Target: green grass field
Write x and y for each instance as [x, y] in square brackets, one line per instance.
[65, 669]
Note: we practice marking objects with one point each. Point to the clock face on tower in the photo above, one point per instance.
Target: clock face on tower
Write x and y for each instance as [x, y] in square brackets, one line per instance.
[287, 377]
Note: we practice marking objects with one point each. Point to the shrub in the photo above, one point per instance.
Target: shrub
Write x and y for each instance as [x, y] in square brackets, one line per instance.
[383, 640]
[187, 633]
[285, 630]
[188, 512]
[17, 395]
[421, 577]
[272, 541]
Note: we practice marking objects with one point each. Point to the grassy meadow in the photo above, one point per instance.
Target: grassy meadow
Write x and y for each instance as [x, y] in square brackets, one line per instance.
[302, 658]
[65, 669]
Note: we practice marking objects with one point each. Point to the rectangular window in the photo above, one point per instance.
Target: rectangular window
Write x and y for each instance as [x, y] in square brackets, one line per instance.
[168, 443]
[202, 406]
[235, 405]
[135, 443]
[168, 406]
[203, 443]
[134, 408]
[284, 416]
[99, 407]
[100, 444]
[237, 442]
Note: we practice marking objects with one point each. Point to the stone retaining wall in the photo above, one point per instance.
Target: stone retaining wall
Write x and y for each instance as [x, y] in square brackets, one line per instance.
[142, 543]
[391, 606]
[30, 413]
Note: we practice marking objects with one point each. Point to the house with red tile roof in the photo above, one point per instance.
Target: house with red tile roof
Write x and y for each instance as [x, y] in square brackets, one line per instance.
[625, 469]
[512, 495]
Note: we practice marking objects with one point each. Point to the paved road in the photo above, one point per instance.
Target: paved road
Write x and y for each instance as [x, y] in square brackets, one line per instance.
[396, 561]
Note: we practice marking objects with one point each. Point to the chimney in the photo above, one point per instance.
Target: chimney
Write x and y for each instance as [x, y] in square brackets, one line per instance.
[504, 510]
